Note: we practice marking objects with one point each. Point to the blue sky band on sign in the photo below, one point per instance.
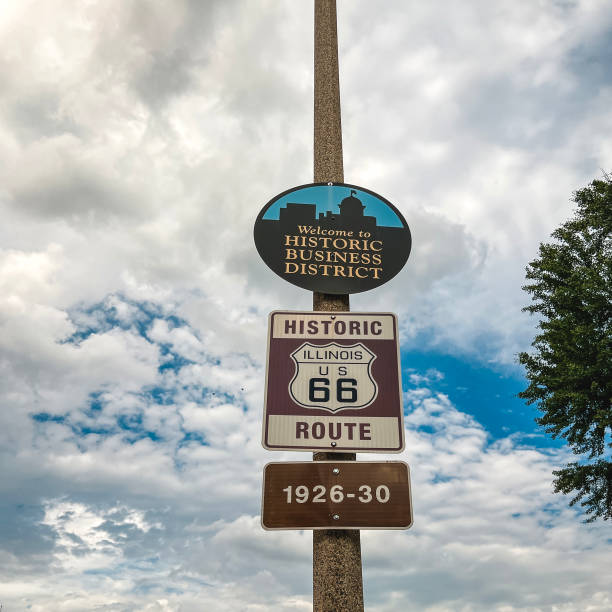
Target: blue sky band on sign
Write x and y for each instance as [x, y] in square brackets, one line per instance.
[333, 238]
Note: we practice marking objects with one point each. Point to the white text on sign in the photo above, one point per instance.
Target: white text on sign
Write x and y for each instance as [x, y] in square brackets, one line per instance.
[289, 325]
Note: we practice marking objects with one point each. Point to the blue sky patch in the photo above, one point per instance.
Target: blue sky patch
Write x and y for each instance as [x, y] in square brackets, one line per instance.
[488, 396]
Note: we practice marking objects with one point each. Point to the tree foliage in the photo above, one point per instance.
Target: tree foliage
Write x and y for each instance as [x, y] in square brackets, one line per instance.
[570, 368]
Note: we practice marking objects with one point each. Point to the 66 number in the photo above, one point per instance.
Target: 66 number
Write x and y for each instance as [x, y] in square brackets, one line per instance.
[346, 390]
[301, 493]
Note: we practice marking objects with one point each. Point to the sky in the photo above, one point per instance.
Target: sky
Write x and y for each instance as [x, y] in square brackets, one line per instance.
[139, 141]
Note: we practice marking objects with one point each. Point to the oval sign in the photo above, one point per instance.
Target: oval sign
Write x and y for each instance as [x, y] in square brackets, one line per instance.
[332, 238]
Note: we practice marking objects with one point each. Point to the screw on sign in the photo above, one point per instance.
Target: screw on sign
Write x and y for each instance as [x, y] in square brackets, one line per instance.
[337, 494]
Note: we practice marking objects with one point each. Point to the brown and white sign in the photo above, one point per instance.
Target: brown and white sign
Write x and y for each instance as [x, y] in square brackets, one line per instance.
[336, 495]
[333, 383]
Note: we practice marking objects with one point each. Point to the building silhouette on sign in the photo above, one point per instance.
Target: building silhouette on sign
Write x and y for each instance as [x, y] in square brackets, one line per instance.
[351, 217]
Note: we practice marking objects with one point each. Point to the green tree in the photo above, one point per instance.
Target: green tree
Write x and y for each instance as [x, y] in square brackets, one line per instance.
[570, 367]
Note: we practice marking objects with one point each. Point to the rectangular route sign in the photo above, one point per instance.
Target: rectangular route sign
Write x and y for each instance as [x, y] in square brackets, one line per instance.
[333, 383]
[336, 495]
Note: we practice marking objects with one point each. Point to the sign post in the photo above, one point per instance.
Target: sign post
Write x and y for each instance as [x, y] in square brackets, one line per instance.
[333, 380]
[337, 582]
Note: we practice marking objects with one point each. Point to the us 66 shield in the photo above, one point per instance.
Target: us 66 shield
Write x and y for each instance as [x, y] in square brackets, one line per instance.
[333, 382]
[333, 376]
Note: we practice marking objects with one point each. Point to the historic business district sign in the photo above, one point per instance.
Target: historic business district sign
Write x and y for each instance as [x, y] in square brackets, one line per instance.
[332, 238]
[333, 383]
[337, 495]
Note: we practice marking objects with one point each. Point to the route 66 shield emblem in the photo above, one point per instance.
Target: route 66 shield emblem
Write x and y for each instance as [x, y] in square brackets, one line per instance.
[333, 377]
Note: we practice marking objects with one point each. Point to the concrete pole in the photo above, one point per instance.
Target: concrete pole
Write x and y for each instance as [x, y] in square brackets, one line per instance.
[337, 584]
[328, 166]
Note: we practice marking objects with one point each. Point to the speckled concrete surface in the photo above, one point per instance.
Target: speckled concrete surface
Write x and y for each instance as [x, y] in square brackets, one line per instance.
[327, 123]
[328, 165]
[336, 559]
[337, 583]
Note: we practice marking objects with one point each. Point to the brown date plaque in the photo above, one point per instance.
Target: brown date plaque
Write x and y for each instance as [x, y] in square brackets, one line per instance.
[336, 495]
